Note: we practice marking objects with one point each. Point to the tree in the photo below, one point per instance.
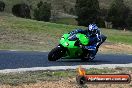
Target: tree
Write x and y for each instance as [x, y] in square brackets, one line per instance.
[129, 21]
[72, 11]
[43, 11]
[21, 10]
[87, 11]
[2, 6]
[40, 4]
[118, 13]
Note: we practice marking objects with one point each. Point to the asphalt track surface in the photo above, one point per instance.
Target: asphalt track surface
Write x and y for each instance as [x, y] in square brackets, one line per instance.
[13, 61]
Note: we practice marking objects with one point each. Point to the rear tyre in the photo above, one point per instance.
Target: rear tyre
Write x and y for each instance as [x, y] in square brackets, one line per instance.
[56, 54]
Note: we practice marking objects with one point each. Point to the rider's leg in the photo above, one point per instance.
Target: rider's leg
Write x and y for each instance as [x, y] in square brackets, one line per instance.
[93, 53]
[91, 50]
[103, 37]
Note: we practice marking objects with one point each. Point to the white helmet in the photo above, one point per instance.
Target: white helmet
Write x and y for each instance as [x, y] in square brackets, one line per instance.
[92, 29]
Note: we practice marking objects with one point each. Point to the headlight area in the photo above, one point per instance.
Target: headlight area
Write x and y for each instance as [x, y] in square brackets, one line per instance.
[67, 44]
[62, 38]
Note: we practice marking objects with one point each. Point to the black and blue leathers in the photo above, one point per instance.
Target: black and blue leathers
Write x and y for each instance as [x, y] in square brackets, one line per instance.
[95, 40]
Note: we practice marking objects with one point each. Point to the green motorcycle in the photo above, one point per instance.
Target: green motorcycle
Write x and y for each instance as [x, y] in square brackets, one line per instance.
[70, 47]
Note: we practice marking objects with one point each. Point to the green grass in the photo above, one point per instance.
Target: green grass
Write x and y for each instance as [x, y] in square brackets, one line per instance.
[25, 34]
[68, 21]
[100, 71]
[118, 36]
[15, 79]
[34, 77]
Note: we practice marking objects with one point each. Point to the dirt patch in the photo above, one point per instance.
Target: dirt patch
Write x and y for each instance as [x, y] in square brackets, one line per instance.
[116, 48]
[67, 83]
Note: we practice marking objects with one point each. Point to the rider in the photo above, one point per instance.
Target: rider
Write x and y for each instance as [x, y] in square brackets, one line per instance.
[96, 38]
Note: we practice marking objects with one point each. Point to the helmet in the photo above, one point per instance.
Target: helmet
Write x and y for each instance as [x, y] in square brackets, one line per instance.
[92, 29]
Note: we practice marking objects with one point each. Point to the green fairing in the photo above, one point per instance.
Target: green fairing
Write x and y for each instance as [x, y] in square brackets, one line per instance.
[83, 38]
[73, 51]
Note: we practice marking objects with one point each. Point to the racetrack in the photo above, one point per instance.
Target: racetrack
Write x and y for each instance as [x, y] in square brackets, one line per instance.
[10, 61]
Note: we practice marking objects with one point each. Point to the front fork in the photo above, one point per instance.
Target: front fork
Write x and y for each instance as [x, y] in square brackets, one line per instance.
[63, 49]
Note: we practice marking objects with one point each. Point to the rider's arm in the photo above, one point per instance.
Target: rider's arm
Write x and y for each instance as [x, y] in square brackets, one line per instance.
[76, 31]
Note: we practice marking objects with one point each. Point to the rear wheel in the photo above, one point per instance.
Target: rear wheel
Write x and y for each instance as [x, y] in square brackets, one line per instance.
[56, 54]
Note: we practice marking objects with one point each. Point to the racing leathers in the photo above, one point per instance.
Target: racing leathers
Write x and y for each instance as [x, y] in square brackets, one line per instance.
[95, 40]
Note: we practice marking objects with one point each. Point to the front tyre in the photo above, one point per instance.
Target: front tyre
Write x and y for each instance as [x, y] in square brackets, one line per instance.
[55, 54]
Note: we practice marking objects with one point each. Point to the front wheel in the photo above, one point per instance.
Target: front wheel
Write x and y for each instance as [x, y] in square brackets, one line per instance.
[56, 54]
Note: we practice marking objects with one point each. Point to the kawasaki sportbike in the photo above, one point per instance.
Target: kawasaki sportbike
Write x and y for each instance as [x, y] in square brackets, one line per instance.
[70, 47]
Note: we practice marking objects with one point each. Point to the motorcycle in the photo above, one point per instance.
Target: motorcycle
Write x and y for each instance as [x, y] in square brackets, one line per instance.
[70, 47]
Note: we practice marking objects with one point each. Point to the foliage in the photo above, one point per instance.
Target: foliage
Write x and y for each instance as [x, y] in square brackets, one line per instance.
[87, 11]
[2, 6]
[129, 21]
[43, 11]
[118, 13]
[21, 10]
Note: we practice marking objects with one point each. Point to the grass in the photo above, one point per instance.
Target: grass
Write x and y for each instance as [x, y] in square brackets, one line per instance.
[15, 79]
[33, 77]
[18, 32]
[118, 36]
[100, 71]
[25, 34]
[68, 21]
